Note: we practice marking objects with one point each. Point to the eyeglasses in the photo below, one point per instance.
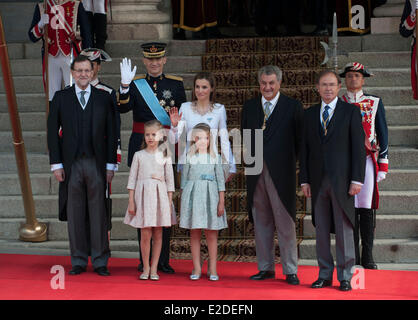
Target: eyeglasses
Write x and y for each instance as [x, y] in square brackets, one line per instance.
[82, 70]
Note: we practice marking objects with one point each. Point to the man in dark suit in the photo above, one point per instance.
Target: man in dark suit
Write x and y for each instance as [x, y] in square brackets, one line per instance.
[332, 166]
[83, 160]
[164, 92]
[271, 193]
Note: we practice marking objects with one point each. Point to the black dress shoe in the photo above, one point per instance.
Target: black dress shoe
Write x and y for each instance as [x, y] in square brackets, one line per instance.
[292, 279]
[77, 270]
[102, 271]
[141, 267]
[345, 285]
[370, 265]
[321, 283]
[262, 275]
[166, 268]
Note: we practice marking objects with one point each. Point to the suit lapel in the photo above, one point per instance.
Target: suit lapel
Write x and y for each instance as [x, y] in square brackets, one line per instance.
[91, 105]
[276, 117]
[74, 112]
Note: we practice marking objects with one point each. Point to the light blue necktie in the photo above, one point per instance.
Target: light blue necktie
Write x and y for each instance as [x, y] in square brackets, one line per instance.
[267, 110]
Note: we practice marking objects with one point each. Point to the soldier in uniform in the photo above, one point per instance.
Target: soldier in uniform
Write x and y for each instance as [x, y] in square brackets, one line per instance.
[96, 12]
[150, 96]
[407, 29]
[376, 143]
[66, 20]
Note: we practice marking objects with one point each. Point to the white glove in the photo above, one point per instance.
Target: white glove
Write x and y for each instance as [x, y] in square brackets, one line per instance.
[126, 72]
[44, 20]
[381, 175]
[414, 5]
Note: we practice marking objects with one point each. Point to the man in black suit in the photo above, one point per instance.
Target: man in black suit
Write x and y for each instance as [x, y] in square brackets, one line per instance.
[83, 160]
[271, 193]
[332, 166]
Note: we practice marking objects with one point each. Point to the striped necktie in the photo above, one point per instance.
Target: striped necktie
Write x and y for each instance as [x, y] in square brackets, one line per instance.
[267, 110]
[82, 100]
[325, 117]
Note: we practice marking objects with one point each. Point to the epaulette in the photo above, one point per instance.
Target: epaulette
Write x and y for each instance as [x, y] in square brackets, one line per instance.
[142, 76]
[170, 76]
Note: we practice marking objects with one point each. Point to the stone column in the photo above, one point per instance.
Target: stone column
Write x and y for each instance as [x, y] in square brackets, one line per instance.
[138, 20]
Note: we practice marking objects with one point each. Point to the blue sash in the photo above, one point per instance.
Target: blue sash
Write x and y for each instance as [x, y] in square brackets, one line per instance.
[152, 102]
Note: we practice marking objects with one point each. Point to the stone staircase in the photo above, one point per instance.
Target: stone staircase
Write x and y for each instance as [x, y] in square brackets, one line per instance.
[386, 18]
[386, 55]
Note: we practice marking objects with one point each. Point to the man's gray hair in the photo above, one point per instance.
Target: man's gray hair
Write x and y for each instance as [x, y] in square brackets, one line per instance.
[269, 70]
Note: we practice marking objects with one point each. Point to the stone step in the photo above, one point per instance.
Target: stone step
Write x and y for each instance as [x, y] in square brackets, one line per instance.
[228, 250]
[374, 43]
[57, 230]
[400, 158]
[394, 96]
[385, 25]
[36, 121]
[396, 59]
[400, 180]
[115, 48]
[401, 115]
[384, 250]
[391, 96]
[387, 226]
[46, 184]
[391, 202]
[389, 10]
[177, 64]
[35, 141]
[383, 78]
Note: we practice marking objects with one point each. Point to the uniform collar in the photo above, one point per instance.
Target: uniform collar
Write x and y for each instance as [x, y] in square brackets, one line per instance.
[95, 82]
[160, 77]
[355, 97]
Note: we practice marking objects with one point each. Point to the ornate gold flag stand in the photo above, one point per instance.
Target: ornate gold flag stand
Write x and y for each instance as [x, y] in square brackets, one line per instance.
[32, 230]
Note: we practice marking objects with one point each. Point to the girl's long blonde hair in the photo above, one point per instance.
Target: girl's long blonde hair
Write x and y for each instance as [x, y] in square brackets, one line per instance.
[193, 149]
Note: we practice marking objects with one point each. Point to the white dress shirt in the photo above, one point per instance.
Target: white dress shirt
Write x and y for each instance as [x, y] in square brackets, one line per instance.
[272, 101]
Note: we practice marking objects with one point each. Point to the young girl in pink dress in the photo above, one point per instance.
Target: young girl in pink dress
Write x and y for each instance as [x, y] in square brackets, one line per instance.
[151, 187]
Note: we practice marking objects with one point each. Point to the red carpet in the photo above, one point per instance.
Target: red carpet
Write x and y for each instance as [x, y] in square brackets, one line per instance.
[29, 277]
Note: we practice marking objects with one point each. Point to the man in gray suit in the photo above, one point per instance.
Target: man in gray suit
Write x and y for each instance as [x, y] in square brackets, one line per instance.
[332, 166]
[271, 195]
[83, 160]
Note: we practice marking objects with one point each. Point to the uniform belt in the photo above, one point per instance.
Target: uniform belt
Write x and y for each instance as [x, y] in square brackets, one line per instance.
[138, 127]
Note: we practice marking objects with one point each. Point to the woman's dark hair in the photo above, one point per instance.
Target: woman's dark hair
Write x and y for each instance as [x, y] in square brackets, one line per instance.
[204, 76]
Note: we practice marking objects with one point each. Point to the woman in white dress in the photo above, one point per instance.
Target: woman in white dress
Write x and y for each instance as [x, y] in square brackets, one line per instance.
[202, 109]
